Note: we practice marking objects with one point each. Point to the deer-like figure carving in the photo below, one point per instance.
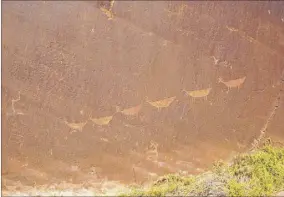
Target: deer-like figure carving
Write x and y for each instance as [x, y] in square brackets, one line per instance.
[233, 83]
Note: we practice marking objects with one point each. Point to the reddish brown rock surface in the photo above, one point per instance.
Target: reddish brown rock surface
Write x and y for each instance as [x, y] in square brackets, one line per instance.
[67, 67]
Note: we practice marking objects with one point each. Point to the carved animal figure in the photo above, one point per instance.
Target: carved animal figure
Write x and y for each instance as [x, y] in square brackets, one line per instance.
[199, 93]
[76, 126]
[161, 103]
[233, 83]
[102, 121]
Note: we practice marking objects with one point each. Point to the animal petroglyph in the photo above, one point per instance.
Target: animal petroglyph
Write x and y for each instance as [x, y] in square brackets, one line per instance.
[76, 126]
[102, 121]
[199, 93]
[130, 111]
[161, 103]
[233, 83]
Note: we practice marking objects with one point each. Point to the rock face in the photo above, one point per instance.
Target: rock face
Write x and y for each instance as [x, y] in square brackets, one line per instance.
[280, 194]
[121, 87]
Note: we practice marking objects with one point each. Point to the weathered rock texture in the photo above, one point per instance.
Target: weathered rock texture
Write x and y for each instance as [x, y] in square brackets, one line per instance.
[127, 90]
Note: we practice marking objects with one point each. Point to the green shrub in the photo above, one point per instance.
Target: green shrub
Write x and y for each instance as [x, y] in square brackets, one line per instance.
[259, 173]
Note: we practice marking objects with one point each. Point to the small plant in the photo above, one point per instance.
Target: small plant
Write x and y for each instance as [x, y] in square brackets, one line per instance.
[218, 167]
[235, 188]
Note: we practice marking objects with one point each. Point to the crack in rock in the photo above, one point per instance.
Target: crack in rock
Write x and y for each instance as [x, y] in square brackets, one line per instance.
[275, 106]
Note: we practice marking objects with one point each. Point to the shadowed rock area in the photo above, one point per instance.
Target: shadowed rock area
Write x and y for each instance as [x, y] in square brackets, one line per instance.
[125, 91]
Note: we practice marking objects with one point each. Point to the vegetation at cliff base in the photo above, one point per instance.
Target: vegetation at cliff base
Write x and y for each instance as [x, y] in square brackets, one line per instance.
[257, 173]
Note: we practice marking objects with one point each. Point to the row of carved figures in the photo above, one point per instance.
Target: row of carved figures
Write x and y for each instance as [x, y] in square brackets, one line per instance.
[159, 104]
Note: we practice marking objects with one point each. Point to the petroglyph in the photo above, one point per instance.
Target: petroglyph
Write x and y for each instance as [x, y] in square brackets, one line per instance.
[166, 42]
[104, 139]
[161, 103]
[233, 83]
[14, 111]
[76, 126]
[221, 63]
[130, 111]
[152, 153]
[232, 29]
[108, 12]
[186, 164]
[102, 121]
[129, 126]
[225, 64]
[242, 34]
[216, 61]
[199, 93]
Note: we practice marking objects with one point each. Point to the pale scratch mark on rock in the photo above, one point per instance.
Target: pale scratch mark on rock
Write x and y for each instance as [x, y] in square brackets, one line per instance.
[183, 32]
[128, 125]
[166, 42]
[249, 38]
[76, 126]
[104, 139]
[15, 112]
[161, 103]
[232, 29]
[198, 93]
[216, 61]
[240, 145]
[225, 64]
[152, 153]
[269, 12]
[233, 83]
[102, 121]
